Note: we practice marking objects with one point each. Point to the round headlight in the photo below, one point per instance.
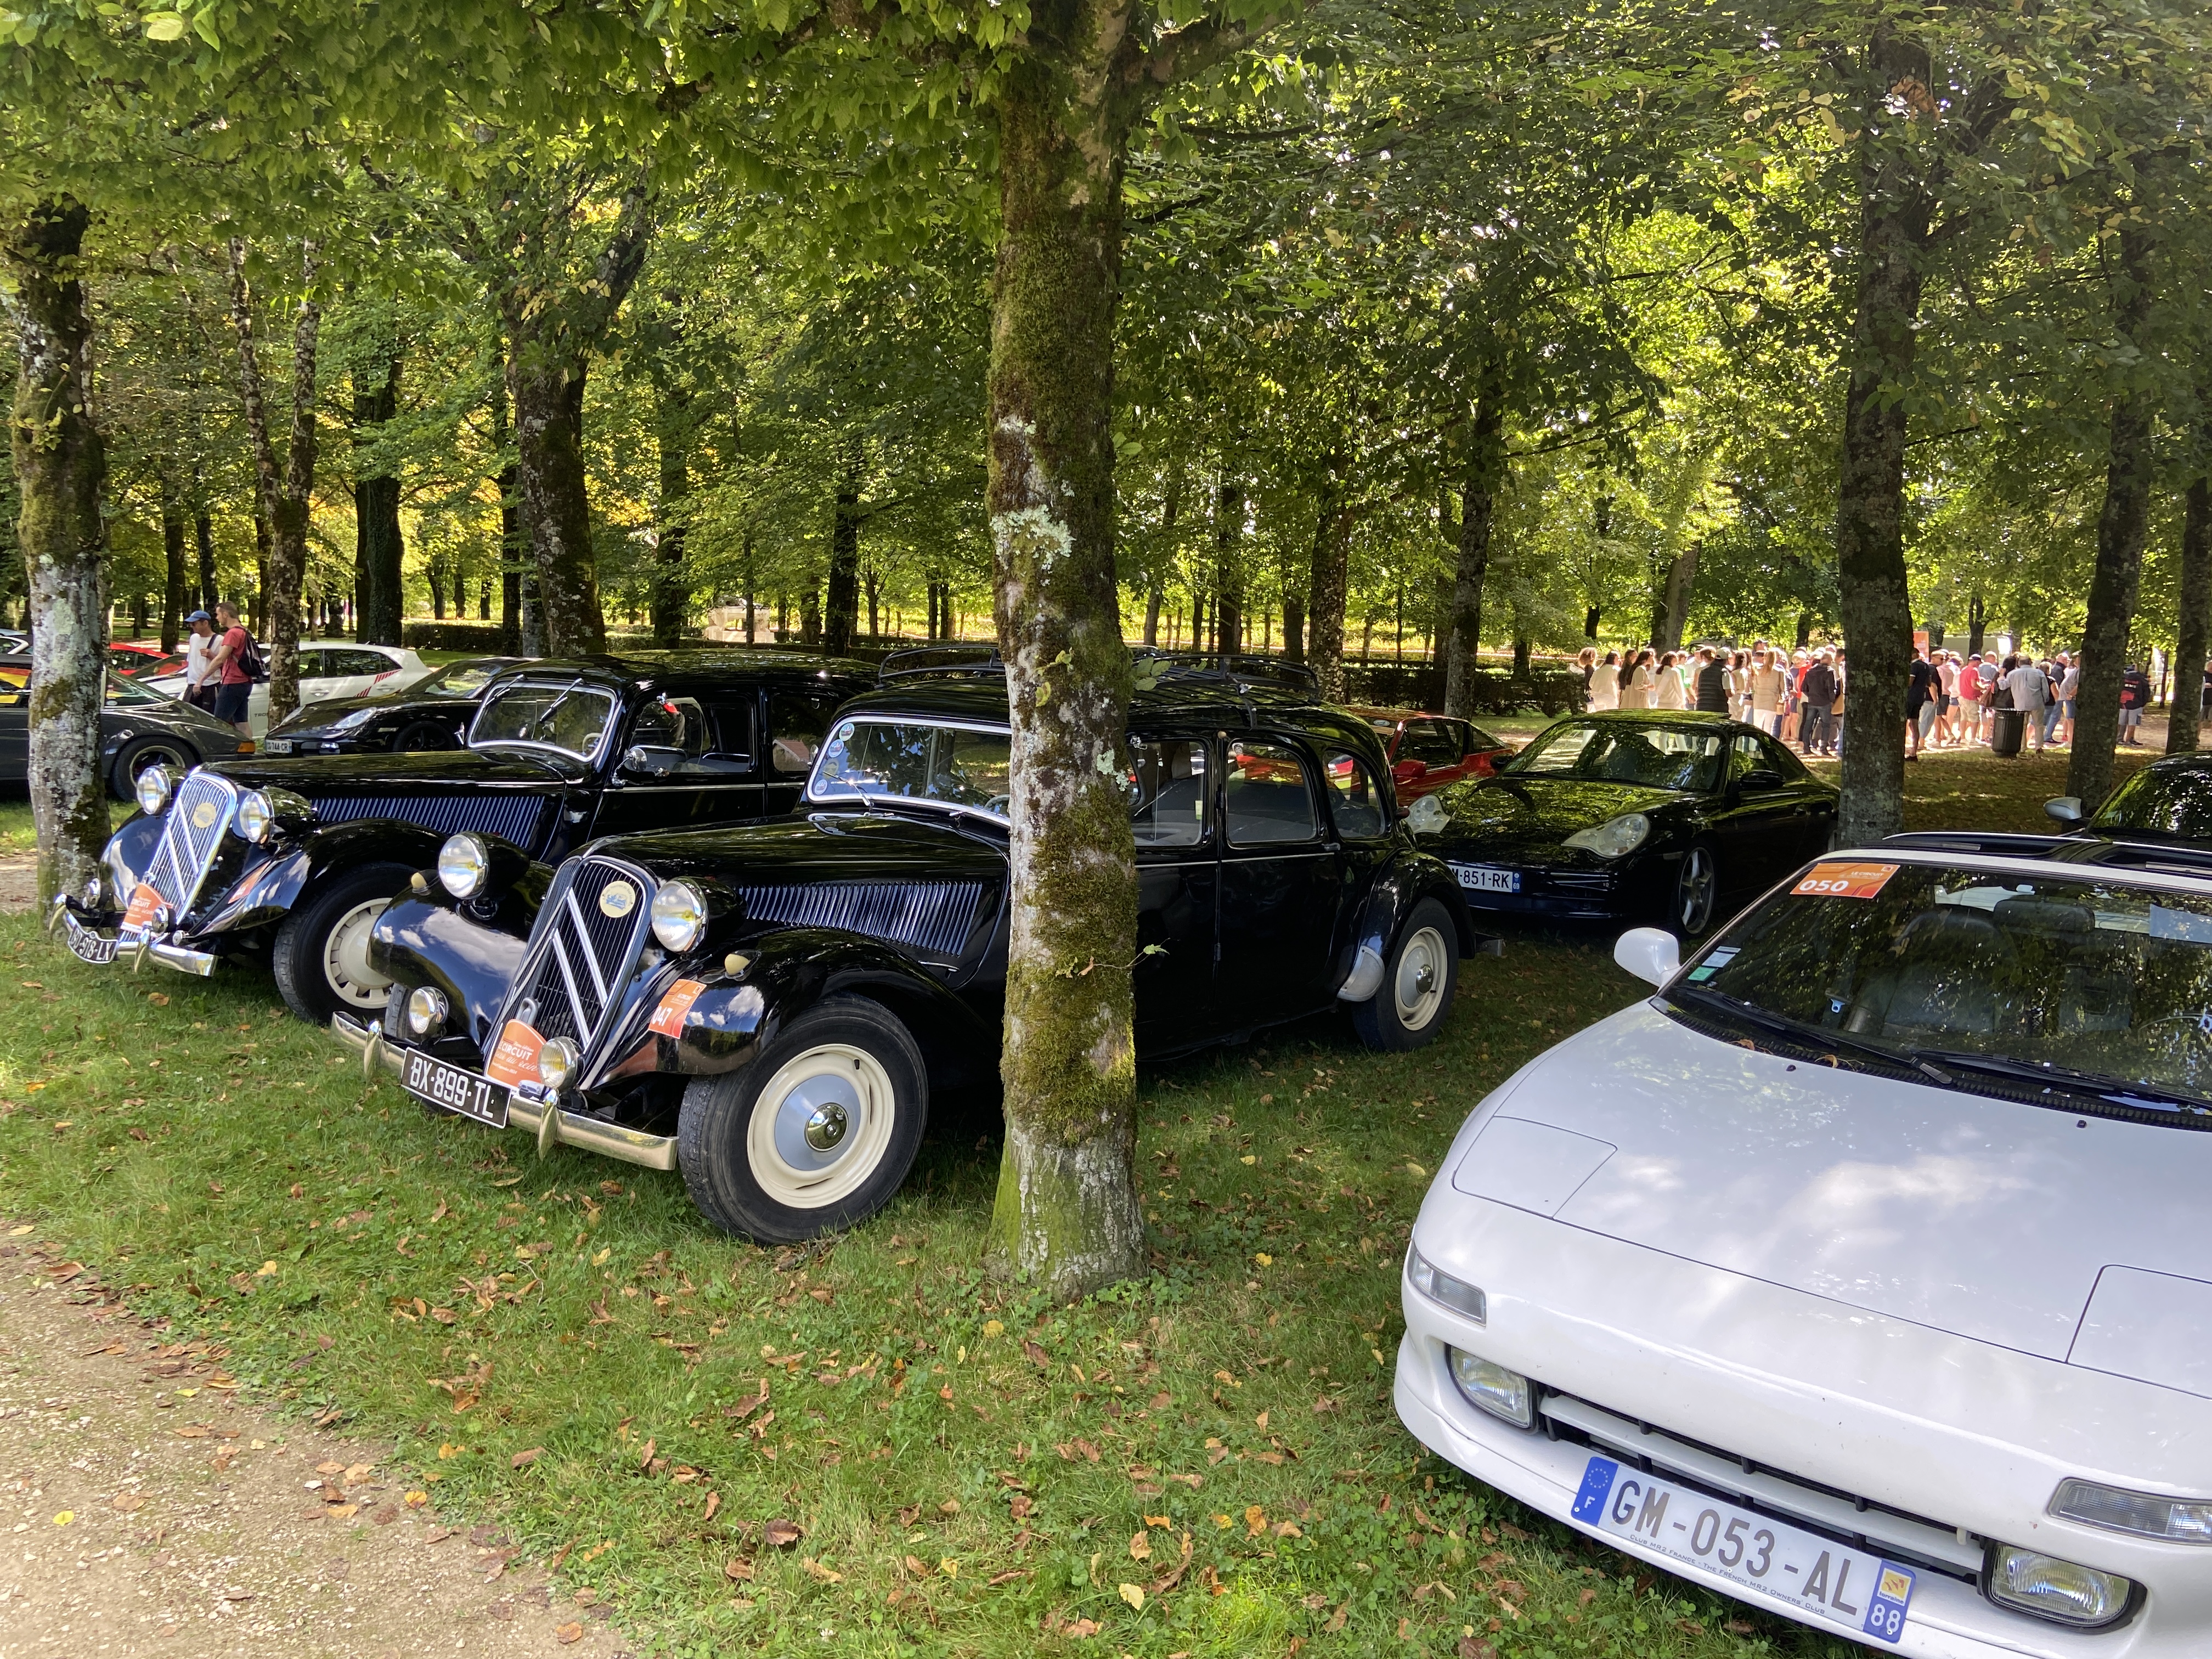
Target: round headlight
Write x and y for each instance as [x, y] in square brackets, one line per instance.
[426, 1010]
[1615, 838]
[557, 1063]
[679, 915]
[463, 866]
[257, 817]
[153, 788]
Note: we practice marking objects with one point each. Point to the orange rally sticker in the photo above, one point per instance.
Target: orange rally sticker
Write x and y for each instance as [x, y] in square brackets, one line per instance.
[1844, 880]
[668, 1017]
[144, 901]
[514, 1060]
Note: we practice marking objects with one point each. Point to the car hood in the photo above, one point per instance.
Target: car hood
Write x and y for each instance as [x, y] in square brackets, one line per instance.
[845, 846]
[316, 715]
[442, 772]
[1987, 1218]
[1500, 812]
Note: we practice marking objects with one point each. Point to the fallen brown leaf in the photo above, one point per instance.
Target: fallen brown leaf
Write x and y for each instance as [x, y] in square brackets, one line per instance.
[523, 1458]
[737, 1571]
[782, 1534]
[571, 1631]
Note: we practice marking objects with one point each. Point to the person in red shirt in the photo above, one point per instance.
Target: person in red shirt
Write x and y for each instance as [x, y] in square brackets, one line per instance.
[233, 691]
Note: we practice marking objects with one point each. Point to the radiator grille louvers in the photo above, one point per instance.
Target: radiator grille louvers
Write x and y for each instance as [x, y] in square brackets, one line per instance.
[514, 817]
[187, 849]
[580, 958]
[931, 917]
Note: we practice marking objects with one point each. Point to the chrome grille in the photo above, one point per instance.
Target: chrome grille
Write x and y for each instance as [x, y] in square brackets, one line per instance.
[934, 917]
[515, 817]
[187, 848]
[580, 959]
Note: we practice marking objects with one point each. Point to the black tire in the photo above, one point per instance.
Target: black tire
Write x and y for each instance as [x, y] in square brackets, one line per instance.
[1697, 898]
[870, 1102]
[315, 971]
[422, 737]
[152, 749]
[1418, 982]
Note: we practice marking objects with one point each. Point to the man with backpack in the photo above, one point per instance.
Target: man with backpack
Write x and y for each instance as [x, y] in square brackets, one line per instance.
[237, 664]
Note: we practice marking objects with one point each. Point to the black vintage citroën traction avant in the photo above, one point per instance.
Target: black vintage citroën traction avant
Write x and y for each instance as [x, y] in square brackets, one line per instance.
[768, 1007]
[297, 857]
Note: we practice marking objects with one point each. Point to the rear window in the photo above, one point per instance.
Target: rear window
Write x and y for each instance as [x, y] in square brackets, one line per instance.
[2176, 802]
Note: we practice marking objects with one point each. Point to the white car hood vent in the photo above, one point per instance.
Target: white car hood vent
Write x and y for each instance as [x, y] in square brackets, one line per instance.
[1988, 1218]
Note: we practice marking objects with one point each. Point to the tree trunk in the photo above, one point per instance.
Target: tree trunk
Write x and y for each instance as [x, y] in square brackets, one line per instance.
[1228, 565]
[257, 620]
[672, 597]
[284, 499]
[203, 537]
[2121, 528]
[840, 609]
[1520, 657]
[810, 616]
[1067, 1214]
[514, 543]
[61, 469]
[556, 509]
[1877, 616]
[1976, 622]
[1329, 580]
[2184, 715]
[1485, 472]
[750, 586]
[1294, 625]
[1681, 579]
[172, 561]
[379, 600]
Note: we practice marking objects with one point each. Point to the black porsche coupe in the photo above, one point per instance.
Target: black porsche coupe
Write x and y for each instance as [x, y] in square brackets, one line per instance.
[1632, 815]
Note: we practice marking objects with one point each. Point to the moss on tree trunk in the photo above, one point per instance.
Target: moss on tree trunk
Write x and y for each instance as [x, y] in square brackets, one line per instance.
[380, 551]
[60, 470]
[1485, 472]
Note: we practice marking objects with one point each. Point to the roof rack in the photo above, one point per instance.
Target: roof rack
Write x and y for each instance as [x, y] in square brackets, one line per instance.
[961, 661]
[1244, 671]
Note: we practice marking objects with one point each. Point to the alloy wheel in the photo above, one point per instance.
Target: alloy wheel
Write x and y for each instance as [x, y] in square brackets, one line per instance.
[1695, 890]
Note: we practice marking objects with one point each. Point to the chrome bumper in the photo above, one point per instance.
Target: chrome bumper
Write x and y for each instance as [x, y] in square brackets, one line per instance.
[89, 945]
[547, 1124]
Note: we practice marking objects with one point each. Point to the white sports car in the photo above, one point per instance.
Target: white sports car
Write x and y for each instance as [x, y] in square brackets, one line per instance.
[1865, 1272]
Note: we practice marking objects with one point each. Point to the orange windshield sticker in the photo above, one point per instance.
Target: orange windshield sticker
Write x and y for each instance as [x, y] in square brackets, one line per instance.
[144, 901]
[514, 1061]
[668, 1017]
[1844, 880]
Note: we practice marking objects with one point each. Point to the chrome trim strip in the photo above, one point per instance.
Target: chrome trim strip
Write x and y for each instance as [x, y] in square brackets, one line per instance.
[591, 957]
[569, 978]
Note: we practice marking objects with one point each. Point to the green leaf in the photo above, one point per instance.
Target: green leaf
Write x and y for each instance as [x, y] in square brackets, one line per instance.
[165, 26]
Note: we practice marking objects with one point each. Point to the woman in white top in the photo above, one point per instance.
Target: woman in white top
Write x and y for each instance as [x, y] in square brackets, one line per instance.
[1637, 681]
[1605, 683]
[1768, 684]
[1669, 694]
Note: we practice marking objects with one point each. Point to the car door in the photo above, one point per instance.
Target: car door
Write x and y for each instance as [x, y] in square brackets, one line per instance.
[1178, 885]
[1276, 920]
[1758, 822]
[1816, 800]
[671, 770]
[798, 720]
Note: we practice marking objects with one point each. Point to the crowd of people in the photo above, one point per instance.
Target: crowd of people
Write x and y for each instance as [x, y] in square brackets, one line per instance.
[1801, 696]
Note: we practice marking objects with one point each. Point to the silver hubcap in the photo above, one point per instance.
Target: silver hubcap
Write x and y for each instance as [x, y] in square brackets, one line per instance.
[1697, 889]
[345, 957]
[821, 1124]
[1417, 986]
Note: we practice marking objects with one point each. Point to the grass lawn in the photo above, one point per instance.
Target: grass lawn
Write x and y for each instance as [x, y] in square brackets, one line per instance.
[1203, 1464]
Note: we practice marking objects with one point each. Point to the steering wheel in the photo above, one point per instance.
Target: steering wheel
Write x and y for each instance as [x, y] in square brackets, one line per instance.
[997, 804]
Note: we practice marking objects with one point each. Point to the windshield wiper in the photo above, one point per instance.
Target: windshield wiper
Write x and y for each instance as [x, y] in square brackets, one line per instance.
[2100, 1084]
[1812, 1036]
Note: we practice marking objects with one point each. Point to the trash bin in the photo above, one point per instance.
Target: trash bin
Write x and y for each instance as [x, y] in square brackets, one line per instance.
[2006, 727]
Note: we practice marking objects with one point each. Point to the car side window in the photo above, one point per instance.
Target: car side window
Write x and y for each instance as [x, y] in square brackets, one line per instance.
[1167, 792]
[1478, 740]
[1432, 742]
[359, 662]
[796, 725]
[1265, 797]
[1746, 755]
[732, 725]
[678, 723]
[1782, 761]
[1354, 800]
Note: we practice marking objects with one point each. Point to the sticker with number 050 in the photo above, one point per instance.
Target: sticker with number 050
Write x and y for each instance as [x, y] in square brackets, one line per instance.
[1834, 880]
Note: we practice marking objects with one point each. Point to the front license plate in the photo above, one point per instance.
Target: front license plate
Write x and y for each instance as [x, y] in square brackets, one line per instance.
[455, 1089]
[87, 946]
[1481, 879]
[276, 745]
[1863, 1593]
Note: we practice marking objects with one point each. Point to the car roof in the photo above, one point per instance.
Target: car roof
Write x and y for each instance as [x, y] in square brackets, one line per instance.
[981, 699]
[673, 670]
[2166, 864]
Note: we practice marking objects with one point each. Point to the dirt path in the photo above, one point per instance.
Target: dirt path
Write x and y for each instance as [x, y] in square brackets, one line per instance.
[142, 1510]
[19, 881]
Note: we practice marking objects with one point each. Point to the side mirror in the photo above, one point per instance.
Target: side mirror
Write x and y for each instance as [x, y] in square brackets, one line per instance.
[1760, 777]
[1652, 954]
[647, 761]
[1406, 771]
[2067, 809]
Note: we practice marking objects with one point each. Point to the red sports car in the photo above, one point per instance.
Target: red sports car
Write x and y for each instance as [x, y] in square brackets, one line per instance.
[1428, 751]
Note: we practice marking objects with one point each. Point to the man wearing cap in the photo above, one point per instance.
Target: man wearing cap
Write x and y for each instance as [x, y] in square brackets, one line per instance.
[199, 661]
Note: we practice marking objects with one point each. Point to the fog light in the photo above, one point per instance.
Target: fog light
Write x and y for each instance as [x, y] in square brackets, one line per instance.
[463, 866]
[426, 1010]
[1505, 1395]
[557, 1063]
[1440, 1287]
[2179, 1520]
[2064, 1592]
[152, 789]
[679, 916]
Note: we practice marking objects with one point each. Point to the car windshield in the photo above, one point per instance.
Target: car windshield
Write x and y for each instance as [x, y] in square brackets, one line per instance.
[1656, 757]
[121, 690]
[2086, 984]
[459, 679]
[2176, 803]
[912, 760]
[573, 718]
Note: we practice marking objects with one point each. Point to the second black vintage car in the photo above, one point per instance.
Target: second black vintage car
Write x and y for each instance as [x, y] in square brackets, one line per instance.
[768, 1007]
[432, 714]
[296, 857]
[1619, 816]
